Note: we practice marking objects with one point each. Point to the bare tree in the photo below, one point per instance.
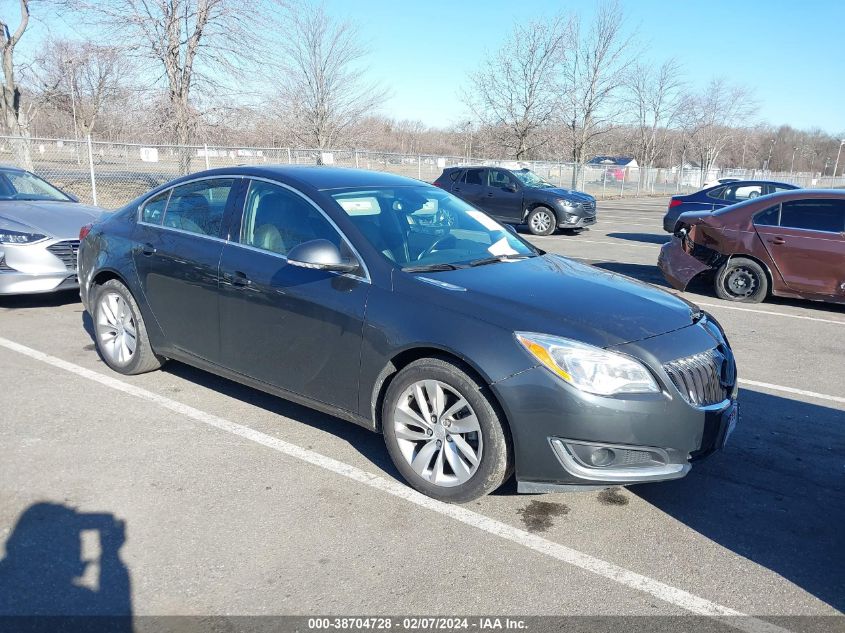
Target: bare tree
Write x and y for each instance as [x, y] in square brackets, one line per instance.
[323, 76]
[15, 116]
[654, 96]
[515, 92]
[593, 76]
[712, 118]
[80, 78]
[195, 44]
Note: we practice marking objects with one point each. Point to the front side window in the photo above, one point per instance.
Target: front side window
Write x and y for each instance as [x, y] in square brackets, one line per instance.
[21, 185]
[198, 207]
[276, 219]
[423, 226]
[500, 179]
[814, 215]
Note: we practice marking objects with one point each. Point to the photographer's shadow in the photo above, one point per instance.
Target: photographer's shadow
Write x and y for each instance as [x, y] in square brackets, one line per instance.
[60, 562]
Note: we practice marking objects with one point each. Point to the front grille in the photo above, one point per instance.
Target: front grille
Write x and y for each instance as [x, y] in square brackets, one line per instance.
[703, 379]
[66, 251]
[589, 207]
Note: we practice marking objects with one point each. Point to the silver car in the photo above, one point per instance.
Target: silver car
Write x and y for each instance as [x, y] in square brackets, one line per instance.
[39, 234]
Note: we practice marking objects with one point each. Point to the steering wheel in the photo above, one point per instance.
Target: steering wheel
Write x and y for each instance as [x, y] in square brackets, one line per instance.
[434, 246]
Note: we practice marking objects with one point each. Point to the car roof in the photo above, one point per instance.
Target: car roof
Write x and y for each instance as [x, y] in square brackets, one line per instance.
[753, 182]
[314, 176]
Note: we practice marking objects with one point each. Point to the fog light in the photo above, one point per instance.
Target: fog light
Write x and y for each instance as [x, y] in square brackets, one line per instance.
[601, 456]
[572, 219]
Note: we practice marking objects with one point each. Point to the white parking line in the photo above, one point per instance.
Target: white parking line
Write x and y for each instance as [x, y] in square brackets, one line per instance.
[667, 593]
[797, 392]
[773, 313]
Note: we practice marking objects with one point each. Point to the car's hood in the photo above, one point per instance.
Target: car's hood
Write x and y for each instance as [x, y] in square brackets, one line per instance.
[554, 295]
[568, 194]
[61, 220]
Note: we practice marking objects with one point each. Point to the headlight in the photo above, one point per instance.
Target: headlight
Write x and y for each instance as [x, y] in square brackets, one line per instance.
[566, 203]
[589, 368]
[14, 237]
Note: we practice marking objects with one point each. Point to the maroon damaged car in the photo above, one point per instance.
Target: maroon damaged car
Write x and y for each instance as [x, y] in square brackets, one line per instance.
[788, 244]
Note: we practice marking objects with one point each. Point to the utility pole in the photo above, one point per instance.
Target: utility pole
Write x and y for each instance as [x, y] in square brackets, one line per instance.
[836, 164]
[771, 149]
[792, 164]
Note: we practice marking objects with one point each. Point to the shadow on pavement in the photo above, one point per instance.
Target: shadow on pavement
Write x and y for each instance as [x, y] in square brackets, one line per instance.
[648, 238]
[60, 562]
[774, 495]
[46, 300]
[369, 444]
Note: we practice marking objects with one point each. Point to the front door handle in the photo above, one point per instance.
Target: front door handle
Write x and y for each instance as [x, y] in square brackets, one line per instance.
[489, 194]
[148, 249]
[777, 240]
[456, 189]
[238, 278]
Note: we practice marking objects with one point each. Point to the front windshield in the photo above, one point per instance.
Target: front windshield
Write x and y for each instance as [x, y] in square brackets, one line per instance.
[532, 180]
[423, 227]
[21, 185]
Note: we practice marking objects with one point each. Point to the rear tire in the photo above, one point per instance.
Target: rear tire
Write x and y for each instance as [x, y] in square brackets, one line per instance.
[541, 221]
[741, 279]
[119, 331]
[455, 447]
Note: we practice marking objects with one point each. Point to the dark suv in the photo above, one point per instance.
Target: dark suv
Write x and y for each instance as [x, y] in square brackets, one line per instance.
[519, 196]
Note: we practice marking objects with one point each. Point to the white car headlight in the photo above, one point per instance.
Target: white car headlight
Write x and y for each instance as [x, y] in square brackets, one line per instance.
[589, 368]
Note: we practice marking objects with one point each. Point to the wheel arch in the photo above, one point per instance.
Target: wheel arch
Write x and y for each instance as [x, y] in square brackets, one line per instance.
[539, 203]
[411, 354]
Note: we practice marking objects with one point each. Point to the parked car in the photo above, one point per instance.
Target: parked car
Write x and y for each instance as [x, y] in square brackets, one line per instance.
[39, 234]
[519, 196]
[788, 244]
[395, 305]
[719, 197]
[719, 181]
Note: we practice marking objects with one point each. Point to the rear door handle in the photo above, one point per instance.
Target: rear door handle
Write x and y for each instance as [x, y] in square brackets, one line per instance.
[489, 194]
[148, 249]
[456, 189]
[777, 240]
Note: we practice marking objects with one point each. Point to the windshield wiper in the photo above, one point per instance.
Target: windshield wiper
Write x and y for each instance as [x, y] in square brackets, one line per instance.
[425, 268]
[496, 259]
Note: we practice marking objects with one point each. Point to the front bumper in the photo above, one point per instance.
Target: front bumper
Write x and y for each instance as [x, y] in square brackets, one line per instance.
[558, 430]
[678, 266]
[575, 221]
[35, 268]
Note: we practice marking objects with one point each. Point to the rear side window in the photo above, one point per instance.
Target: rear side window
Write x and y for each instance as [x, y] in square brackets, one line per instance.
[769, 217]
[814, 215]
[453, 176]
[198, 207]
[741, 192]
[473, 176]
[717, 193]
[153, 210]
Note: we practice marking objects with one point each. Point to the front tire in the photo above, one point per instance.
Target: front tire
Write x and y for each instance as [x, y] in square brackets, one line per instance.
[444, 435]
[119, 331]
[541, 221]
[741, 279]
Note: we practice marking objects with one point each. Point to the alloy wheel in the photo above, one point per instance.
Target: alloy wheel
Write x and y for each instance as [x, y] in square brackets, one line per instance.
[117, 332]
[541, 221]
[438, 433]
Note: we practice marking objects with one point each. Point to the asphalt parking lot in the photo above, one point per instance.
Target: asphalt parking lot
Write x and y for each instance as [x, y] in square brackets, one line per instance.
[235, 502]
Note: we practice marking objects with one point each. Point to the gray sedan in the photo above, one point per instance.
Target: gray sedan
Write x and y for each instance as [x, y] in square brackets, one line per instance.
[39, 234]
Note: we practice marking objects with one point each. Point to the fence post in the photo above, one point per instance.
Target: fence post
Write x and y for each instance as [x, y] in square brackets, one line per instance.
[289, 157]
[356, 159]
[622, 192]
[91, 168]
[207, 166]
[560, 174]
[603, 182]
[419, 167]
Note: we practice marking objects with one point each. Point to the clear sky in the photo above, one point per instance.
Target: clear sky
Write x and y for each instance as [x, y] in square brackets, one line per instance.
[788, 52]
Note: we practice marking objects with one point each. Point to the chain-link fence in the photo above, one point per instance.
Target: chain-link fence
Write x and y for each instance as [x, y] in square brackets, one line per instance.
[111, 174]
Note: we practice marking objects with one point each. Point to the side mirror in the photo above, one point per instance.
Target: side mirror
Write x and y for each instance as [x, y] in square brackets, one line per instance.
[71, 196]
[320, 255]
[512, 229]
